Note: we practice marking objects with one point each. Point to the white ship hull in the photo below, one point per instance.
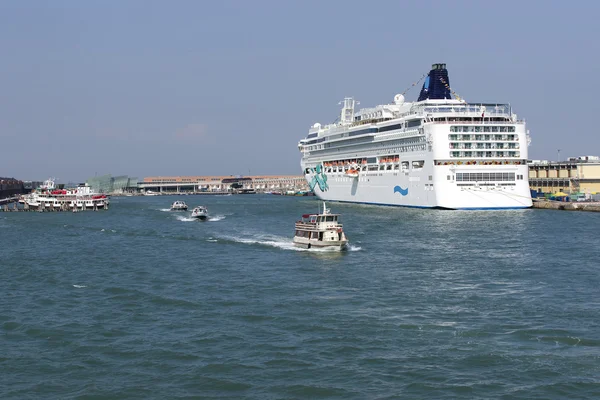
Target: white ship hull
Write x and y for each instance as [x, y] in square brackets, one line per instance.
[393, 188]
[306, 243]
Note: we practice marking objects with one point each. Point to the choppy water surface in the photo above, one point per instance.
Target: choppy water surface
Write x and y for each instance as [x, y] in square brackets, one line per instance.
[141, 302]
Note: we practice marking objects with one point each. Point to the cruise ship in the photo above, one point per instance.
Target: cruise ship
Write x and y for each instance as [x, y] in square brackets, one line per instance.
[437, 152]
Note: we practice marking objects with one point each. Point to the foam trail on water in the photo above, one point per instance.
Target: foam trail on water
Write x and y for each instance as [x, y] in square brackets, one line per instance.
[284, 243]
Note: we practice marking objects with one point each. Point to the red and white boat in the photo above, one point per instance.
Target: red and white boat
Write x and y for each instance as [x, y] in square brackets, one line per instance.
[47, 196]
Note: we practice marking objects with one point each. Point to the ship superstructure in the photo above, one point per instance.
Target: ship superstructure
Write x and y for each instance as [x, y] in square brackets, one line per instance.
[437, 152]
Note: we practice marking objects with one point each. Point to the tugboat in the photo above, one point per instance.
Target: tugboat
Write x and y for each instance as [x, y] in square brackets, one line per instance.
[200, 213]
[179, 206]
[320, 231]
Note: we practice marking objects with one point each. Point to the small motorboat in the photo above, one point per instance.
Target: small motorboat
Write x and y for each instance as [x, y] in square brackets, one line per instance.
[320, 231]
[200, 213]
[179, 206]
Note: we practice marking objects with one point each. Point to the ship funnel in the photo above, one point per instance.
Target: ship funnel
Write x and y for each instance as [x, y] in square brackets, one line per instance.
[436, 85]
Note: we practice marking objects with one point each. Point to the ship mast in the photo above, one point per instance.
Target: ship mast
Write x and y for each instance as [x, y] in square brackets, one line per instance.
[347, 115]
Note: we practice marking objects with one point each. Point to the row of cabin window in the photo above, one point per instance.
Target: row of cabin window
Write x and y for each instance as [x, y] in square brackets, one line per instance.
[483, 137]
[482, 129]
[485, 176]
[380, 167]
[313, 145]
[305, 234]
[455, 154]
[309, 235]
[459, 145]
[327, 218]
[363, 142]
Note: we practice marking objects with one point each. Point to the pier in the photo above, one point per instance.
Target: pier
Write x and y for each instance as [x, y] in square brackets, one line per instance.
[222, 184]
[567, 206]
[9, 200]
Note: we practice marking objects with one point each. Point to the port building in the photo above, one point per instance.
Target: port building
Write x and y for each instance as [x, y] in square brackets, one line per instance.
[113, 184]
[223, 183]
[576, 175]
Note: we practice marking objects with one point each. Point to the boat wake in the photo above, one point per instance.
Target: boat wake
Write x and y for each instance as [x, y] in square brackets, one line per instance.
[284, 243]
[209, 219]
[352, 247]
[185, 219]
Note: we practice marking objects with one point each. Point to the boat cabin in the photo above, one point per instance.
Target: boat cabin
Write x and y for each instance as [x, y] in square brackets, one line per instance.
[319, 219]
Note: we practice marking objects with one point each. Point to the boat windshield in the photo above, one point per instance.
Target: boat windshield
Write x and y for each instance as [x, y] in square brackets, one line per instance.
[309, 218]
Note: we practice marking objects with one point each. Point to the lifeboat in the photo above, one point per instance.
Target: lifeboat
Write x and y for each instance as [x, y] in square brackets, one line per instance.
[352, 173]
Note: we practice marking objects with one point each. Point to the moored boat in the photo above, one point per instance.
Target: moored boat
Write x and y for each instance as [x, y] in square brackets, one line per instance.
[322, 230]
[50, 198]
[439, 151]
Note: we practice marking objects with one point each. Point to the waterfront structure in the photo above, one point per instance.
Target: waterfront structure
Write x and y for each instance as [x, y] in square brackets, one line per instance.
[223, 183]
[436, 152]
[575, 175]
[110, 184]
[10, 187]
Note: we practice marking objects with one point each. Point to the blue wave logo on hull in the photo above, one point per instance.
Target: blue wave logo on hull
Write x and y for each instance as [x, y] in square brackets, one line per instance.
[398, 189]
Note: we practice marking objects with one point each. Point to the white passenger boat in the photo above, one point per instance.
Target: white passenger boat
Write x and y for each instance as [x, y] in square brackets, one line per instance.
[200, 213]
[437, 152]
[48, 197]
[320, 231]
[179, 206]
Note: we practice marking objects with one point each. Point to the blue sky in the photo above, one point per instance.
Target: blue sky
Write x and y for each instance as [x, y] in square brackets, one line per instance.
[146, 88]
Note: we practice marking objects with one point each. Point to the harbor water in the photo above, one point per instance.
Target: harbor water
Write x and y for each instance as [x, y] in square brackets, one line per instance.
[140, 302]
